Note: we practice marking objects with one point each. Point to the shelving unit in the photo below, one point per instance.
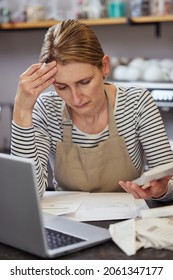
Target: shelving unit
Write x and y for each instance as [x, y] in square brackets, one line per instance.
[93, 22]
[153, 19]
[49, 23]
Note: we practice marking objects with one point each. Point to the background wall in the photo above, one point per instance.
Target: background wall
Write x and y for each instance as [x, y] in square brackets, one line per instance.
[19, 49]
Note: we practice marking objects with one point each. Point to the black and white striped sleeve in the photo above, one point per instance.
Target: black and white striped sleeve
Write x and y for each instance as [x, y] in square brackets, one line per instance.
[34, 143]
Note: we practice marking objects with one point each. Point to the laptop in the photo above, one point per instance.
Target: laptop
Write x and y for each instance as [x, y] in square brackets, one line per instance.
[23, 225]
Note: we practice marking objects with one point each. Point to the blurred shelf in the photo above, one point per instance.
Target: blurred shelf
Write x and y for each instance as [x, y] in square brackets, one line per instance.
[105, 21]
[49, 23]
[153, 19]
[93, 22]
[27, 25]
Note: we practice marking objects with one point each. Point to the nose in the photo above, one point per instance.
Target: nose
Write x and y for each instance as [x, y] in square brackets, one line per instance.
[77, 96]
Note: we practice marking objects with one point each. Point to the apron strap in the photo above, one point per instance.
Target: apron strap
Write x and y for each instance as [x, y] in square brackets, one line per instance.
[66, 125]
[113, 131]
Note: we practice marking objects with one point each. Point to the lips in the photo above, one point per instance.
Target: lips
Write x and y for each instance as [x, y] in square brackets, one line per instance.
[82, 105]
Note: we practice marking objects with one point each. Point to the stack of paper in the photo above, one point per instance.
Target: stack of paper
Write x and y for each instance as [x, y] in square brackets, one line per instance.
[84, 206]
[155, 174]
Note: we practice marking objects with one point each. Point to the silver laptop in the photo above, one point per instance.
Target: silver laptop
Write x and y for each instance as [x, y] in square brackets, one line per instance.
[24, 226]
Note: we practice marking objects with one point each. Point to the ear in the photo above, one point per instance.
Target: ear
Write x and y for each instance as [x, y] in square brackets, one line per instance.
[105, 65]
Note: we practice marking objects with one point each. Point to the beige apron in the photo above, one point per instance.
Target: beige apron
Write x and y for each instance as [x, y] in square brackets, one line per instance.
[97, 169]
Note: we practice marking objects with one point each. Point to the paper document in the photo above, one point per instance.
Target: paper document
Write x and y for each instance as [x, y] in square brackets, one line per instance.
[59, 203]
[106, 206]
[155, 174]
[84, 206]
[164, 211]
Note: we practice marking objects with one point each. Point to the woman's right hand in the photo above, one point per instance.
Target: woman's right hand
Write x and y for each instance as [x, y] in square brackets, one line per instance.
[32, 82]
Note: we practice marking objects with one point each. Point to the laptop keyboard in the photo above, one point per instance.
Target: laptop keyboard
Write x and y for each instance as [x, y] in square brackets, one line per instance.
[57, 239]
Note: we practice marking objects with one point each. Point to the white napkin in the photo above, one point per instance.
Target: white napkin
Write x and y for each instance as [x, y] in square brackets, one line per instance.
[133, 234]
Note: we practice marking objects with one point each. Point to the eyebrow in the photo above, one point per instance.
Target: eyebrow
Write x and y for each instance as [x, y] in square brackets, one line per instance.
[87, 78]
[60, 83]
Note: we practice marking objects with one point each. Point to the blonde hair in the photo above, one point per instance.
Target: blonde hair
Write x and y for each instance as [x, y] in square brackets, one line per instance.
[72, 41]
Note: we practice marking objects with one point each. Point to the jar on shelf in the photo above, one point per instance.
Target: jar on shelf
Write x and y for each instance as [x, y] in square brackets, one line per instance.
[35, 10]
[139, 8]
[145, 8]
[4, 11]
[161, 7]
[116, 8]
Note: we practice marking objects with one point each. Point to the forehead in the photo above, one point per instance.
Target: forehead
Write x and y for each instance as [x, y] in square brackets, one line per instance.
[75, 71]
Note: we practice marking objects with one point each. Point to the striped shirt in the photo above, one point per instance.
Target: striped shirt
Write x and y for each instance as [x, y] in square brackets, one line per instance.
[136, 115]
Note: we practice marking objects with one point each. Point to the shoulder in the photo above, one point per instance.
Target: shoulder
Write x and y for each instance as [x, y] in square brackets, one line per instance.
[133, 100]
[134, 94]
[132, 91]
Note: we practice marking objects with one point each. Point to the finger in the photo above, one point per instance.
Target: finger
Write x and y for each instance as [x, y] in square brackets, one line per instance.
[45, 78]
[144, 192]
[45, 85]
[37, 70]
[127, 187]
[46, 67]
[46, 72]
[136, 190]
[32, 69]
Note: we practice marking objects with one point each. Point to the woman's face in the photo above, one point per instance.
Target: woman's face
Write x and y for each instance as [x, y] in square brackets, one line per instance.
[81, 85]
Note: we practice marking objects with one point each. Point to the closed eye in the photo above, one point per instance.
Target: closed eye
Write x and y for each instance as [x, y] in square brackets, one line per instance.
[84, 82]
[60, 86]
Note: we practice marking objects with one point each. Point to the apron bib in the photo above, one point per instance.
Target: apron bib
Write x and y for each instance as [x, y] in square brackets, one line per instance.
[97, 169]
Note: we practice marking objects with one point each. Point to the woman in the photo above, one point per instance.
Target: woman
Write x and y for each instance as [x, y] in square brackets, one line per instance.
[98, 134]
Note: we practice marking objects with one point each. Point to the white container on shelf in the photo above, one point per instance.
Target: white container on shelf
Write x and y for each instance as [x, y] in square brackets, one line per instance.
[161, 7]
[60, 10]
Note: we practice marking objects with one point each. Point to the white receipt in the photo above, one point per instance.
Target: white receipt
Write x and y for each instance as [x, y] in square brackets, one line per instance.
[155, 174]
[164, 211]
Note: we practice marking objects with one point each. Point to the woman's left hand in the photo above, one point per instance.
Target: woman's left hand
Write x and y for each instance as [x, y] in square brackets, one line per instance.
[156, 189]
